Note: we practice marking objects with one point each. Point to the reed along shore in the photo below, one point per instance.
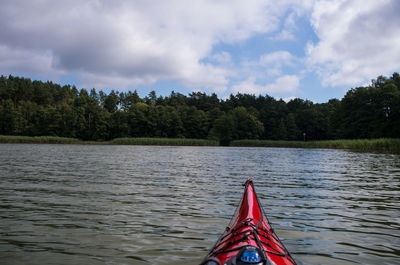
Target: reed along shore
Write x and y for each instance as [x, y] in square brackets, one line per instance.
[366, 145]
[117, 141]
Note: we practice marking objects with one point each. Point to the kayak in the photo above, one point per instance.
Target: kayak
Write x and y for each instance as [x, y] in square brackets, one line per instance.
[249, 238]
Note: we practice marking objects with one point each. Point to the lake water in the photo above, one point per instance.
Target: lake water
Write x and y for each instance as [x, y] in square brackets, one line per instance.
[96, 204]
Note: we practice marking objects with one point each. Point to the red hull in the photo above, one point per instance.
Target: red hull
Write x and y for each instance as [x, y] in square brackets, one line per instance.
[249, 227]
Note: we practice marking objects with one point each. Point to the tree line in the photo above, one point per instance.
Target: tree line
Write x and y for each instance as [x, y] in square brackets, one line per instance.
[34, 108]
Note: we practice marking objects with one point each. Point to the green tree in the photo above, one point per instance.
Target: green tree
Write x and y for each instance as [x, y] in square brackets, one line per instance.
[92, 119]
[212, 115]
[223, 129]
[127, 100]
[8, 118]
[42, 93]
[142, 120]
[195, 123]
[44, 108]
[111, 102]
[292, 131]
[151, 99]
[68, 122]
[202, 101]
[282, 131]
[176, 100]
[169, 123]
[246, 125]
[119, 125]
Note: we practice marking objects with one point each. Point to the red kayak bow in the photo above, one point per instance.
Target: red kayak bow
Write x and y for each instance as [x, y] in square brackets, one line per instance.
[249, 238]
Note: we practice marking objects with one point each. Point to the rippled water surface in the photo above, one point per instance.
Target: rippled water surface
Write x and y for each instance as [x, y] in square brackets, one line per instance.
[77, 204]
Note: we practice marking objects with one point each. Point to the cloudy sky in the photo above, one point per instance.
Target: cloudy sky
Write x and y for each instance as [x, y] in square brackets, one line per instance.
[309, 49]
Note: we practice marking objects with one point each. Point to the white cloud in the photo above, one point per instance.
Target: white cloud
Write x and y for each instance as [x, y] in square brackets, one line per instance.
[125, 43]
[358, 40]
[288, 28]
[132, 41]
[223, 57]
[279, 57]
[269, 65]
[282, 85]
[285, 35]
[20, 61]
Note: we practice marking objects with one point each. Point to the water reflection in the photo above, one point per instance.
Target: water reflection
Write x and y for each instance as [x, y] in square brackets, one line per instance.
[72, 204]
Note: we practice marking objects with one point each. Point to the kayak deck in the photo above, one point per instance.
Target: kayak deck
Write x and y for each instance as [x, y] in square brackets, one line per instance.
[249, 238]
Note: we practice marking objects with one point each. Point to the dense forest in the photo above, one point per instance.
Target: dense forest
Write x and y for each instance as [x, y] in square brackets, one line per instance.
[34, 108]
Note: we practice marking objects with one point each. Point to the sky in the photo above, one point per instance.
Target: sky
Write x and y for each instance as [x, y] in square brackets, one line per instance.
[311, 49]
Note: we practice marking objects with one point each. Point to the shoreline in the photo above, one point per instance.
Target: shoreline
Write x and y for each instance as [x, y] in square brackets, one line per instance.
[367, 145]
[8, 139]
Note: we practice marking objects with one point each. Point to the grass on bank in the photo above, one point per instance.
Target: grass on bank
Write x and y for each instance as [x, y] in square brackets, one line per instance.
[117, 141]
[10, 139]
[381, 144]
[164, 141]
